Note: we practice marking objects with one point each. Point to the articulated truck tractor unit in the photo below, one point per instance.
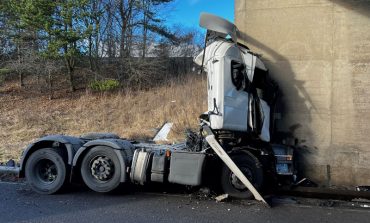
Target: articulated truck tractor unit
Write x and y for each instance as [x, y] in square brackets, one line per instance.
[232, 150]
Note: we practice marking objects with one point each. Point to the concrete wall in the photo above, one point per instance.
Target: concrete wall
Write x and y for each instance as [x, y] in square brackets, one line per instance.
[319, 53]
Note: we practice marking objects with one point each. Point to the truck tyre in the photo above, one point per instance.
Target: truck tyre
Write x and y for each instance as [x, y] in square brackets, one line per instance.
[101, 169]
[250, 167]
[46, 171]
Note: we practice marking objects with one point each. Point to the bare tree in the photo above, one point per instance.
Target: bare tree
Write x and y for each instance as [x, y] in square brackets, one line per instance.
[49, 69]
[122, 39]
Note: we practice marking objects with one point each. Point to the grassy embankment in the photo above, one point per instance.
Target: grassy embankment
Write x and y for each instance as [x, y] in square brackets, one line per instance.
[132, 114]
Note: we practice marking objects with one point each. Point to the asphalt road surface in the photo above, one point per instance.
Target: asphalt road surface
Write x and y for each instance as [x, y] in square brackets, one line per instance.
[19, 204]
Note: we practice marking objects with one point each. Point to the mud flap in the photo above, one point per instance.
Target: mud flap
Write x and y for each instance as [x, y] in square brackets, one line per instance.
[210, 138]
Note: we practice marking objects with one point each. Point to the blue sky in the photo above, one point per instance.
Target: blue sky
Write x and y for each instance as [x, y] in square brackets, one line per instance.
[187, 12]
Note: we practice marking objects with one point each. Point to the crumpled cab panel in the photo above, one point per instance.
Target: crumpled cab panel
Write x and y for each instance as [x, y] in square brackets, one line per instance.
[235, 80]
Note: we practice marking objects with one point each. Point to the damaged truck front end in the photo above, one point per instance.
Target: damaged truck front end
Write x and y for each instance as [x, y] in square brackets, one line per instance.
[241, 104]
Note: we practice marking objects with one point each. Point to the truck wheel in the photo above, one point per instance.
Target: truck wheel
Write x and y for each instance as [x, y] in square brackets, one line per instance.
[250, 167]
[101, 169]
[46, 171]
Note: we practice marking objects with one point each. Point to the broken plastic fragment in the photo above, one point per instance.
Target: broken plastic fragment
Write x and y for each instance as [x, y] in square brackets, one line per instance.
[222, 197]
[163, 132]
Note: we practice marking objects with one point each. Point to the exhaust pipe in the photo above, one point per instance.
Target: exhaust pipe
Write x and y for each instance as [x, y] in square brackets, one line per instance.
[9, 170]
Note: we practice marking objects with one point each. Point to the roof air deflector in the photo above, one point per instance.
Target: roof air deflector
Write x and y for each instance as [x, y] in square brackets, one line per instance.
[219, 25]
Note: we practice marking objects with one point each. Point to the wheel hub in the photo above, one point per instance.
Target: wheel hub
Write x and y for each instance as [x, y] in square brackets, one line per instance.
[102, 168]
[238, 184]
[47, 171]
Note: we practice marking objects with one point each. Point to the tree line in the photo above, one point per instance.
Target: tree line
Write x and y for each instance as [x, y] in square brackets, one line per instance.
[92, 40]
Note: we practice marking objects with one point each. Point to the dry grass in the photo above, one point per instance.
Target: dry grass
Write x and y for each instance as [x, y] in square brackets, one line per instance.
[129, 114]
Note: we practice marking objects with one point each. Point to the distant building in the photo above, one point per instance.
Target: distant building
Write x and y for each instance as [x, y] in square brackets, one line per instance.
[319, 52]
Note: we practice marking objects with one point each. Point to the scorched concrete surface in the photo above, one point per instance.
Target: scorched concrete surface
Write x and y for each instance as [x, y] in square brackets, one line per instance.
[319, 53]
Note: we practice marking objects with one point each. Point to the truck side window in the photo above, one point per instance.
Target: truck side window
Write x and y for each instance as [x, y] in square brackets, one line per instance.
[237, 74]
